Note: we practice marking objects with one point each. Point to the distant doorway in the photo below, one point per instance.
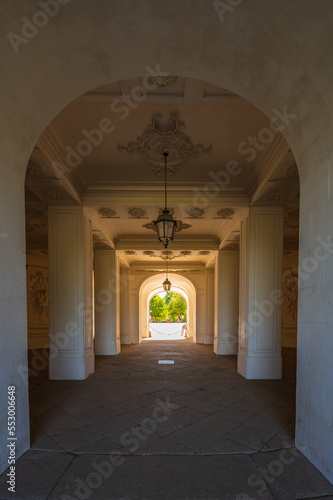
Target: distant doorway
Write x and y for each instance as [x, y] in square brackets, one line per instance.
[167, 317]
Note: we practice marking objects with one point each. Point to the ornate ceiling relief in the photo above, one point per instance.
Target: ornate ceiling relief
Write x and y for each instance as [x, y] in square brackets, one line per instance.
[184, 253]
[195, 213]
[55, 194]
[292, 171]
[204, 252]
[225, 213]
[136, 213]
[171, 211]
[180, 226]
[160, 137]
[148, 252]
[34, 170]
[130, 252]
[33, 227]
[107, 213]
[161, 81]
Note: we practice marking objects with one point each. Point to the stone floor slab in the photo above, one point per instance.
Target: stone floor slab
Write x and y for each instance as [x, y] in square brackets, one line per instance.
[291, 476]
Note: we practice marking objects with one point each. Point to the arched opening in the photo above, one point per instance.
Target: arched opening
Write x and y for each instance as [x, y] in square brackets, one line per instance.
[167, 315]
[68, 77]
[181, 285]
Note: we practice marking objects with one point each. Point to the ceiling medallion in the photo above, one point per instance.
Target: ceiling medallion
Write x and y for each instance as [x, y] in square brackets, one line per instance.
[204, 252]
[160, 137]
[136, 213]
[179, 227]
[161, 81]
[225, 213]
[148, 252]
[130, 252]
[185, 252]
[195, 213]
[107, 213]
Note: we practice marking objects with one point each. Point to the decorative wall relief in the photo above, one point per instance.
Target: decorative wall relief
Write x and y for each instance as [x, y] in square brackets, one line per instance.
[225, 213]
[136, 213]
[290, 298]
[39, 295]
[37, 301]
[107, 213]
[161, 81]
[160, 137]
[195, 213]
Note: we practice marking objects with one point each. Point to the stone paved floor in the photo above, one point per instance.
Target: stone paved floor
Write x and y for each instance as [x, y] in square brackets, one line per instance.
[141, 430]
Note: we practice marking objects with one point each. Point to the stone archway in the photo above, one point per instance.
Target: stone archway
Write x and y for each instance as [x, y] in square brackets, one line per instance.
[180, 284]
[263, 70]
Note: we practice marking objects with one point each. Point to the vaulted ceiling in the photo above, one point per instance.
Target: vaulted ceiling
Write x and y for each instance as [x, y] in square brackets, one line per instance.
[105, 151]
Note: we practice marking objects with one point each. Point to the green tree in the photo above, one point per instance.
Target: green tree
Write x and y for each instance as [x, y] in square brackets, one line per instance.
[177, 306]
[158, 309]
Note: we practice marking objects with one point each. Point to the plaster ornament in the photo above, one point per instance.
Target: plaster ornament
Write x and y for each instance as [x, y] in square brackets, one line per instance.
[161, 81]
[185, 252]
[195, 213]
[204, 252]
[107, 213]
[277, 195]
[292, 171]
[130, 252]
[38, 293]
[225, 213]
[160, 137]
[34, 170]
[33, 227]
[55, 194]
[136, 213]
[148, 252]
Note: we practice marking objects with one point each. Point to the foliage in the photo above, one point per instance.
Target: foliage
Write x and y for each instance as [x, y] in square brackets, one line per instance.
[157, 309]
[173, 304]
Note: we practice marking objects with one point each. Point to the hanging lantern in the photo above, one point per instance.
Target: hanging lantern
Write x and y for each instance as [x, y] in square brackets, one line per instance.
[165, 224]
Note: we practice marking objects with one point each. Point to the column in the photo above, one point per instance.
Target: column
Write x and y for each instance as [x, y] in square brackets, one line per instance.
[209, 306]
[71, 294]
[259, 354]
[226, 302]
[125, 306]
[107, 303]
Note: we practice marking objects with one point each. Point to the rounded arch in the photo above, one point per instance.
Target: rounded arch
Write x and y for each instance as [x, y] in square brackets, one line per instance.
[152, 285]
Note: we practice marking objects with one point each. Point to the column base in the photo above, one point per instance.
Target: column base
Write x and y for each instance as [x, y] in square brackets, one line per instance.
[125, 339]
[259, 367]
[209, 338]
[71, 367]
[107, 347]
[226, 347]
